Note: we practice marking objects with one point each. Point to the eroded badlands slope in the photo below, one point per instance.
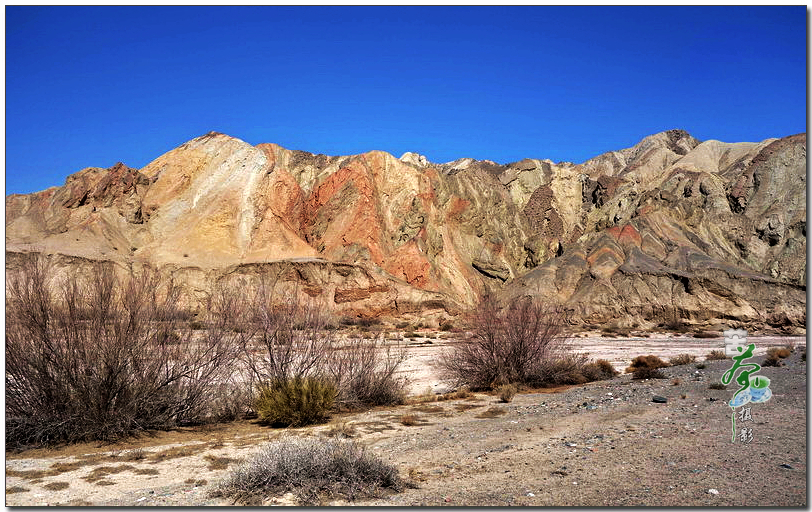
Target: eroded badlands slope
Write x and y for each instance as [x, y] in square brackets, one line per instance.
[672, 227]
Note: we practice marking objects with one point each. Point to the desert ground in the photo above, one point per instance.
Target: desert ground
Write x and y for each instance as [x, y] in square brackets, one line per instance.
[605, 443]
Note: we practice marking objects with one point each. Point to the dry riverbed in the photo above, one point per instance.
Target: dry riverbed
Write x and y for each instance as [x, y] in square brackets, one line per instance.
[602, 444]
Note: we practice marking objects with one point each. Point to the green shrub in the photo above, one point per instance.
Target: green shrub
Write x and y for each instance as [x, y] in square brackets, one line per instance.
[316, 470]
[506, 392]
[297, 402]
[682, 359]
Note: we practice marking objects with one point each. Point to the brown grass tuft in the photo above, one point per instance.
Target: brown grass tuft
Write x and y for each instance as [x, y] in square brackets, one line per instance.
[778, 352]
[682, 359]
[409, 420]
[218, 463]
[56, 486]
[506, 392]
[715, 355]
[492, 412]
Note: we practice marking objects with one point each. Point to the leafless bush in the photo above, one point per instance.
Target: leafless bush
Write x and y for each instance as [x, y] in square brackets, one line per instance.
[313, 469]
[365, 373]
[101, 359]
[515, 344]
[285, 339]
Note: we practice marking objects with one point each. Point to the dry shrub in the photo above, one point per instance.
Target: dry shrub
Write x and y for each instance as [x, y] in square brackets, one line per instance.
[716, 385]
[297, 402]
[651, 362]
[506, 392]
[676, 326]
[314, 469]
[365, 373]
[778, 352]
[491, 412]
[409, 420]
[614, 329]
[564, 370]
[682, 359]
[342, 430]
[772, 361]
[676, 382]
[460, 393]
[284, 339]
[512, 344]
[706, 334]
[599, 370]
[647, 373]
[715, 355]
[100, 359]
[446, 326]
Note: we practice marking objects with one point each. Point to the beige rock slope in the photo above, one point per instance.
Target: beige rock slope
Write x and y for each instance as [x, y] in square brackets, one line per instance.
[699, 230]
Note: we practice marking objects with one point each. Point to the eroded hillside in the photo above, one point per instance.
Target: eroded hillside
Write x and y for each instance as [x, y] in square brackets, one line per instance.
[670, 228]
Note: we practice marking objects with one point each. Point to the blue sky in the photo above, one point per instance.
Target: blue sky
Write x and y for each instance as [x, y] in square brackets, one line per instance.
[90, 86]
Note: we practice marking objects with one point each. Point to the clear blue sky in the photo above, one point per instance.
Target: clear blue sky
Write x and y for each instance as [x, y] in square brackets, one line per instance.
[89, 86]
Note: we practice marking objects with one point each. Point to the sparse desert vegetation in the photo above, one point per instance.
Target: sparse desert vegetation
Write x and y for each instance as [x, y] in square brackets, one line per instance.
[294, 370]
[314, 470]
[523, 342]
[682, 359]
[98, 359]
[716, 355]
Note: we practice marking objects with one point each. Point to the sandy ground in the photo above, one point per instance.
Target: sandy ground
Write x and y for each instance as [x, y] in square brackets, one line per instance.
[601, 444]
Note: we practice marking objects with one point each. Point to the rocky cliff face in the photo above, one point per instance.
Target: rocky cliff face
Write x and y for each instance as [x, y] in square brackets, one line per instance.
[666, 229]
